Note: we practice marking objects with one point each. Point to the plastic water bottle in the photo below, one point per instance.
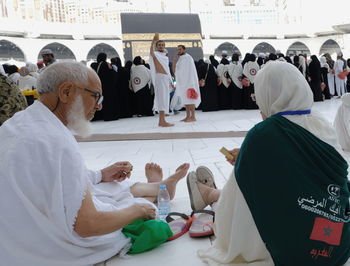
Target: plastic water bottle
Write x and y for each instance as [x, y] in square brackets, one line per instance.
[164, 205]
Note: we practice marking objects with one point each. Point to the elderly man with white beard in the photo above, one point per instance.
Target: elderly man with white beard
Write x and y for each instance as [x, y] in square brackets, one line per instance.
[54, 211]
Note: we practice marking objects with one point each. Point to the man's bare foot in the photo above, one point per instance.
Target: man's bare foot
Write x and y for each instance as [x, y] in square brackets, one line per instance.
[191, 119]
[172, 180]
[165, 124]
[185, 119]
[154, 173]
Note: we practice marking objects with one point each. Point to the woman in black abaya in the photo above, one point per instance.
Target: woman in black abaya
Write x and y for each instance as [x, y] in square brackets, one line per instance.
[315, 78]
[110, 110]
[124, 92]
[209, 92]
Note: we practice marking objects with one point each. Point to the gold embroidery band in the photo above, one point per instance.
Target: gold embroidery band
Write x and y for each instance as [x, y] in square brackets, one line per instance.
[142, 48]
[162, 36]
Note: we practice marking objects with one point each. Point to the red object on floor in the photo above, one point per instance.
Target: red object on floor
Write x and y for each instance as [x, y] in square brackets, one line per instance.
[180, 225]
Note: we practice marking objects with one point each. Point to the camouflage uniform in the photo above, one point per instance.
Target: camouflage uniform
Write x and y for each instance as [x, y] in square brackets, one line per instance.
[11, 99]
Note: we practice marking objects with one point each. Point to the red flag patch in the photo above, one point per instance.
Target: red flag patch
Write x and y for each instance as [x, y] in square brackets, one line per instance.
[327, 231]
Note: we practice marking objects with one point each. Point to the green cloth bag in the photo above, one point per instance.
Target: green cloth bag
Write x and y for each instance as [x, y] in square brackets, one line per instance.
[146, 235]
[296, 188]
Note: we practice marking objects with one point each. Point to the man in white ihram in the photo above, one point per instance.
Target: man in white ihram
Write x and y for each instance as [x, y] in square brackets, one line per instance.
[161, 79]
[187, 86]
[54, 211]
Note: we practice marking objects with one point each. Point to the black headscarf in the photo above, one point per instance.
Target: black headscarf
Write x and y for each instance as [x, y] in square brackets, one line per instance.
[224, 61]
[137, 61]
[101, 57]
[213, 61]
[235, 57]
[246, 59]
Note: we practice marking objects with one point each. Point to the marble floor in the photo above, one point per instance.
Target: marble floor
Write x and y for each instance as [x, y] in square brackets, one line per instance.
[169, 154]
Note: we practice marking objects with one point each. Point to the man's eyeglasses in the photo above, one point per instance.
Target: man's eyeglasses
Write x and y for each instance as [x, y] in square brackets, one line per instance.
[97, 95]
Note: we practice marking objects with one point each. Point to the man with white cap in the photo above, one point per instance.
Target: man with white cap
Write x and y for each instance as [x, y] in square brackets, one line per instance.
[48, 57]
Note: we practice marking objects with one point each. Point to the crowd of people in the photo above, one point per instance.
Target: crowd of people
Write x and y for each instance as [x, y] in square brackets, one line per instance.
[224, 85]
[285, 203]
[129, 90]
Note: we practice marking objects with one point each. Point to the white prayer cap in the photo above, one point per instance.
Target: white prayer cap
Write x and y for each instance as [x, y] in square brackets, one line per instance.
[224, 52]
[46, 51]
[339, 54]
[262, 55]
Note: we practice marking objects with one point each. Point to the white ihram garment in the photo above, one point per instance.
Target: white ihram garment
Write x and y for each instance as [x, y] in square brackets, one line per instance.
[43, 180]
[186, 78]
[339, 83]
[161, 83]
[238, 241]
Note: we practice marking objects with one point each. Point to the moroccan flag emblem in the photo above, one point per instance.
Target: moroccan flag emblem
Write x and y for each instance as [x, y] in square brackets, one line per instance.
[327, 231]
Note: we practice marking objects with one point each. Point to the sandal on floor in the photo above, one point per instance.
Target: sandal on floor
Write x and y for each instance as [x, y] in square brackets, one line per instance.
[202, 223]
[197, 202]
[178, 226]
[205, 176]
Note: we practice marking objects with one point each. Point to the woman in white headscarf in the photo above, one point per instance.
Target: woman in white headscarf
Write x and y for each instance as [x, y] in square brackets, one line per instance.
[287, 200]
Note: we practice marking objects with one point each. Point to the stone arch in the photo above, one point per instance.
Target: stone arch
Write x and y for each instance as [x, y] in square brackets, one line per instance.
[298, 48]
[264, 47]
[330, 46]
[9, 51]
[59, 50]
[230, 48]
[101, 48]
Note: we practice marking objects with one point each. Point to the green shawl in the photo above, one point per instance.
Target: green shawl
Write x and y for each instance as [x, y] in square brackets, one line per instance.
[296, 188]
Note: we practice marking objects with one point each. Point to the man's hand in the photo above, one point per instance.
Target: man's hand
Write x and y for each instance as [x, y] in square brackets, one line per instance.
[155, 38]
[234, 154]
[116, 172]
[146, 211]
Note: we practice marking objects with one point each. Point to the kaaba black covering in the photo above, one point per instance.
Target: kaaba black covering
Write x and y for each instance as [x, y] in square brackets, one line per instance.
[138, 30]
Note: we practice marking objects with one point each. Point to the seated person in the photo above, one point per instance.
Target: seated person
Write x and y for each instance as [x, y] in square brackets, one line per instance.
[11, 99]
[342, 122]
[287, 200]
[54, 210]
